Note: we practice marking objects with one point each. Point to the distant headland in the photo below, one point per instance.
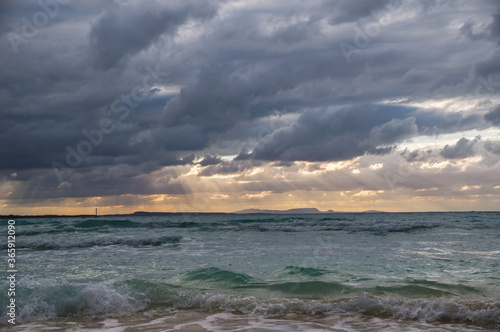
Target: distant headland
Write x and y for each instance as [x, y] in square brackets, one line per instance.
[151, 214]
[296, 211]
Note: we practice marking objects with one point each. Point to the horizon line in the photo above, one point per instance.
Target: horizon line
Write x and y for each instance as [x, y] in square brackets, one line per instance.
[235, 212]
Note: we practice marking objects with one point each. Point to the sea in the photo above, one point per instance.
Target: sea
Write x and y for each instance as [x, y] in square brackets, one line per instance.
[231, 272]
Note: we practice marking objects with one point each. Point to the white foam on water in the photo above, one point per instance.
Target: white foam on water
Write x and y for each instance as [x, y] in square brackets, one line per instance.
[109, 325]
[223, 321]
[50, 299]
[477, 312]
[337, 323]
[187, 320]
[53, 300]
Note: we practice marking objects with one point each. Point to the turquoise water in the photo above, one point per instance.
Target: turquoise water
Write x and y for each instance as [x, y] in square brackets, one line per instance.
[417, 270]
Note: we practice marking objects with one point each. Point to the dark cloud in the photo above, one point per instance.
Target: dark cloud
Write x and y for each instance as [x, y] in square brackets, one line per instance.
[187, 137]
[244, 155]
[224, 94]
[468, 31]
[298, 31]
[216, 98]
[463, 149]
[92, 181]
[127, 30]
[493, 116]
[265, 83]
[416, 155]
[333, 135]
[492, 147]
[210, 160]
[6, 8]
[489, 68]
[434, 123]
[325, 134]
[478, 31]
[495, 27]
[229, 167]
[348, 11]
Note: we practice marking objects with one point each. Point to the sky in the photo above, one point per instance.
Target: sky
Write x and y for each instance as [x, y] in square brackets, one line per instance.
[218, 106]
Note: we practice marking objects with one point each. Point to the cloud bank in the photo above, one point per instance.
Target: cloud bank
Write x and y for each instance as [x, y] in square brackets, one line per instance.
[189, 100]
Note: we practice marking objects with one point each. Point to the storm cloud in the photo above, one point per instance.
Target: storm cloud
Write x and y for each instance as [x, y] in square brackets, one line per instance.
[493, 116]
[120, 98]
[128, 29]
[463, 149]
[329, 135]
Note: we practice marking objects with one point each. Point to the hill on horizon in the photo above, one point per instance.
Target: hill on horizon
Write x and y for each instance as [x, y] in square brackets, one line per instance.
[289, 211]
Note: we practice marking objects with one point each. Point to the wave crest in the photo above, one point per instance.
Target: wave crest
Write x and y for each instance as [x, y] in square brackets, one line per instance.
[44, 244]
[49, 299]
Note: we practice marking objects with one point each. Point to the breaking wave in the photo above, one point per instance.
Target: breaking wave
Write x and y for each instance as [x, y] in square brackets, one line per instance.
[40, 300]
[39, 243]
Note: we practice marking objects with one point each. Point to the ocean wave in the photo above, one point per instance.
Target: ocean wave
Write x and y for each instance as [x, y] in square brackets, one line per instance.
[103, 223]
[353, 224]
[353, 227]
[305, 271]
[90, 225]
[68, 243]
[308, 289]
[477, 312]
[274, 219]
[425, 288]
[45, 230]
[336, 219]
[220, 277]
[480, 313]
[93, 225]
[256, 225]
[216, 279]
[40, 300]
[19, 222]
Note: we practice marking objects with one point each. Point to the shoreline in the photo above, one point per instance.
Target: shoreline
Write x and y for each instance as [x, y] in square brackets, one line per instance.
[168, 319]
